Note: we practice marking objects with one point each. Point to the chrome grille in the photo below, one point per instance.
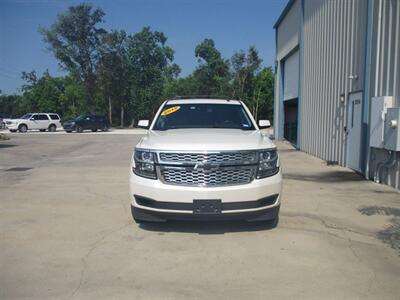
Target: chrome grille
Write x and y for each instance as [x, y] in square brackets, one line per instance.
[199, 177]
[245, 157]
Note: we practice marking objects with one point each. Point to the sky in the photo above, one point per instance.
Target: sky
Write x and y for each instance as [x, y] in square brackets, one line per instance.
[232, 24]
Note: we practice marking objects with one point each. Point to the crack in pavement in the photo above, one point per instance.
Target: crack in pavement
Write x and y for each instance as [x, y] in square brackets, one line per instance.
[345, 236]
[325, 224]
[93, 247]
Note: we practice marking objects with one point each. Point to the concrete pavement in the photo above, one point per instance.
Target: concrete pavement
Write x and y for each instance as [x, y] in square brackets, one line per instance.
[66, 232]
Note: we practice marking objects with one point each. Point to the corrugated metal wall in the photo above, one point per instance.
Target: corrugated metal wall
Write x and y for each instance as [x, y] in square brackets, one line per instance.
[333, 50]
[287, 39]
[385, 71]
[288, 32]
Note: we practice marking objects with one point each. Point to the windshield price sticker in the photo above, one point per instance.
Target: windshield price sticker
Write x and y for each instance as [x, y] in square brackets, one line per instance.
[170, 110]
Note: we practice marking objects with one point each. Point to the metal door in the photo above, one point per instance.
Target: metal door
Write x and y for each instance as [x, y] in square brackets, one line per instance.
[354, 130]
[34, 122]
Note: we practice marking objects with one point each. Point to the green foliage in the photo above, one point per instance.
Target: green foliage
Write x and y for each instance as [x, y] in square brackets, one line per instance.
[75, 41]
[149, 62]
[212, 74]
[128, 75]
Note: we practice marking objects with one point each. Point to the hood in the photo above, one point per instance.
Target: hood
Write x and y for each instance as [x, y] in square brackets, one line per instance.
[205, 140]
[69, 121]
[14, 120]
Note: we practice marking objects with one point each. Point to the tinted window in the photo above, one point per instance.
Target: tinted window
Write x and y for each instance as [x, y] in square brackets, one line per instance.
[35, 117]
[230, 116]
[54, 117]
[27, 116]
[101, 119]
[42, 117]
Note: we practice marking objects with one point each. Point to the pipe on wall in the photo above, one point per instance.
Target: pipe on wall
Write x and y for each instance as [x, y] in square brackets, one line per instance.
[388, 164]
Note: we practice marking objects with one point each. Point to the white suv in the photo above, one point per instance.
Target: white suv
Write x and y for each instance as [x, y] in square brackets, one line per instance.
[38, 121]
[205, 159]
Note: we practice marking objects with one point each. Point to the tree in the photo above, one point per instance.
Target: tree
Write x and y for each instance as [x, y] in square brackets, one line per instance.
[74, 40]
[263, 101]
[149, 60]
[212, 75]
[114, 71]
[244, 70]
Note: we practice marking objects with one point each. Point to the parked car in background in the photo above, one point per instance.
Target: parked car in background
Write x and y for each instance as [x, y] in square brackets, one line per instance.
[35, 121]
[87, 122]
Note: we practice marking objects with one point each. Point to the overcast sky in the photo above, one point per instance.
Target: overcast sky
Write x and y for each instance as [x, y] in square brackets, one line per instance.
[233, 25]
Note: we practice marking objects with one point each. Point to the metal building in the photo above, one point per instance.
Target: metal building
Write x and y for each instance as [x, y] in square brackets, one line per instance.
[337, 90]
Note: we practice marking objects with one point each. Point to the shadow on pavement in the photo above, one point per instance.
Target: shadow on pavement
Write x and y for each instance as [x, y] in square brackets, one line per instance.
[7, 145]
[391, 234]
[220, 227]
[331, 177]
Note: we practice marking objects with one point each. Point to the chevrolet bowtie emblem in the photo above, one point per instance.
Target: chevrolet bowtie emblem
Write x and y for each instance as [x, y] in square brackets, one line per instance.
[206, 167]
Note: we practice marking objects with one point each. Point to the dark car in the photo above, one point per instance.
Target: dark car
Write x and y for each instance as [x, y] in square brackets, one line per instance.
[87, 122]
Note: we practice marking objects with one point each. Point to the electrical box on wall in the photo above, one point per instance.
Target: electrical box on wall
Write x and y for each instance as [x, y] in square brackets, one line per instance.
[392, 130]
[379, 106]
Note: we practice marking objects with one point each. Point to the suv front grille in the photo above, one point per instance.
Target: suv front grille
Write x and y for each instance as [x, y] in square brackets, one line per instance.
[245, 157]
[199, 177]
[207, 169]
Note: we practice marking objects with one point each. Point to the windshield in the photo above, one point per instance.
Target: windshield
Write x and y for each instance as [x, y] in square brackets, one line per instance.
[80, 117]
[229, 116]
[27, 116]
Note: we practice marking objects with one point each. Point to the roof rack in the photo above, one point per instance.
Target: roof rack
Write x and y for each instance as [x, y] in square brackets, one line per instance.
[201, 97]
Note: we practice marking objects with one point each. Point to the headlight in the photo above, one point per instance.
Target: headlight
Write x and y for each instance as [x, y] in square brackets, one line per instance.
[268, 163]
[143, 164]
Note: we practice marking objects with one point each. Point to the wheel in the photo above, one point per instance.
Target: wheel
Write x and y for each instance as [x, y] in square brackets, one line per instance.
[94, 129]
[12, 130]
[52, 128]
[23, 128]
[68, 131]
[42, 130]
[79, 129]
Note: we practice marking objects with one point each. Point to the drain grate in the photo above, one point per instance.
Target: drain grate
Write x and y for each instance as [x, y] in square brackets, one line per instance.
[17, 169]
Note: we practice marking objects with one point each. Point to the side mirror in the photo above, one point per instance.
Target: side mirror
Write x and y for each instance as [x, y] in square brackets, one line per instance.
[264, 124]
[144, 124]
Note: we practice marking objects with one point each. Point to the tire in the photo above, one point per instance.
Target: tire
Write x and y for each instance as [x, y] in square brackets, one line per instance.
[42, 130]
[52, 128]
[79, 129]
[13, 130]
[68, 131]
[94, 130]
[23, 128]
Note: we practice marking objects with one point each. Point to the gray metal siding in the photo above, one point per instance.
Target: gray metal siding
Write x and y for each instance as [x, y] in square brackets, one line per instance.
[385, 72]
[287, 39]
[291, 79]
[333, 49]
[288, 31]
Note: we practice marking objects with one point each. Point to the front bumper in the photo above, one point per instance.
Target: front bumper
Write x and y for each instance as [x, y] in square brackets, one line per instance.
[245, 201]
[12, 126]
[266, 214]
[69, 126]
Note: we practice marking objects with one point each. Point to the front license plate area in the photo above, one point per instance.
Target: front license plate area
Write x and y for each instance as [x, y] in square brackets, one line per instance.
[207, 206]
